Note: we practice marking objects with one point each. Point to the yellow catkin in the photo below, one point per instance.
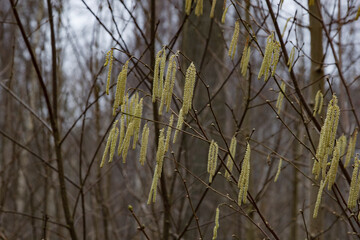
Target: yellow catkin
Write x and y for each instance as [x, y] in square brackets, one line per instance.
[351, 148]
[152, 194]
[168, 133]
[327, 137]
[107, 58]
[110, 63]
[230, 159]
[107, 148]
[266, 63]
[124, 105]
[189, 88]
[291, 59]
[144, 144]
[137, 121]
[284, 29]
[217, 215]
[127, 138]
[122, 134]
[342, 141]
[243, 182]
[155, 92]
[212, 12]
[278, 170]
[188, 4]
[199, 7]
[113, 145]
[318, 199]
[319, 99]
[276, 56]
[245, 58]
[168, 85]
[172, 83]
[234, 40]
[162, 71]
[212, 159]
[280, 98]
[120, 87]
[353, 193]
[334, 164]
[224, 15]
[179, 124]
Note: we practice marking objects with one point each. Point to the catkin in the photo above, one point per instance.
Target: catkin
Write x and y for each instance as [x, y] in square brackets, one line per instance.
[283, 32]
[351, 148]
[122, 134]
[120, 87]
[216, 223]
[189, 88]
[113, 144]
[126, 143]
[280, 99]
[152, 194]
[354, 191]
[278, 170]
[168, 85]
[334, 164]
[168, 133]
[245, 58]
[212, 12]
[291, 59]
[276, 56]
[342, 141]
[156, 84]
[318, 199]
[357, 14]
[224, 15]
[230, 158]
[199, 7]
[179, 124]
[107, 147]
[243, 182]
[212, 159]
[188, 4]
[144, 144]
[137, 121]
[319, 99]
[266, 63]
[109, 61]
[234, 40]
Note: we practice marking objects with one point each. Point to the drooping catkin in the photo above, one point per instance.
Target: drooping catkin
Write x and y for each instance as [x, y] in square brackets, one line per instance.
[319, 100]
[126, 142]
[109, 61]
[230, 158]
[107, 148]
[212, 159]
[334, 164]
[284, 29]
[291, 59]
[216, 223]
[224, 15]
[168, 133]
[327, 137]
[342, 141]
[276, 57]
[144, 144]
[156, 80]
[189, 88]
[158, 169]
[278, 170]
[122, 134]
[120, 87]
[199, 7]
[137, 121]
[245, 58]
[179, 124]
[266, 63]
[351, 148]
[113, 144]
[168, 85]
[188, 4]
[318, 199]
[212, 12]
[354, 190]
[243, 182]
[234, 40]
[280, 98]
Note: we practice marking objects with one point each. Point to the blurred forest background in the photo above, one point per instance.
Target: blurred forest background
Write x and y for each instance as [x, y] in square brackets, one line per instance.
[55, 119]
